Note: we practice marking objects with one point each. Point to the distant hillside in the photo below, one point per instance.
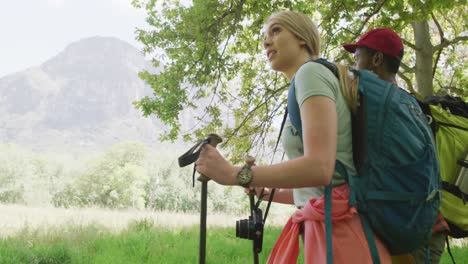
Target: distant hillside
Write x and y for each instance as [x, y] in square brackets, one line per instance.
[79, 100]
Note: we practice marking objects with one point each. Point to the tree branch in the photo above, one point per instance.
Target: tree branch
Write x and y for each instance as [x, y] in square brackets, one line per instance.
[409, 44]
[408, 82]
[218, 23]
[442, 40]
[406, 68]
[370, 15]
[249, 115]
[450, 42]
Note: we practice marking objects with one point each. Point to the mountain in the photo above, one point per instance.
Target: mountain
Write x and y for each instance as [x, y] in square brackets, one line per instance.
[80, 100]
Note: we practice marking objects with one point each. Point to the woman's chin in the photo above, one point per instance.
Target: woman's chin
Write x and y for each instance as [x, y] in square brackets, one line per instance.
[274, 66]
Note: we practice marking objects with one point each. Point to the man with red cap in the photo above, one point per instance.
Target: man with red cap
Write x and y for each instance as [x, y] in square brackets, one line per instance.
[381, 50]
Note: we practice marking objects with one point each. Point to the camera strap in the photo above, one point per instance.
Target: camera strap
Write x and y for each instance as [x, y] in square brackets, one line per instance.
[272, 193]
[191, 156]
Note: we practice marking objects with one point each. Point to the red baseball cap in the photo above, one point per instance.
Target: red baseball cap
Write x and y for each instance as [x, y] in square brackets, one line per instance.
[384, 40]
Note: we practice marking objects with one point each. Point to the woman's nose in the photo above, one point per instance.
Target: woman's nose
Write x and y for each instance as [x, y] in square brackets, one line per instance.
[266, 42]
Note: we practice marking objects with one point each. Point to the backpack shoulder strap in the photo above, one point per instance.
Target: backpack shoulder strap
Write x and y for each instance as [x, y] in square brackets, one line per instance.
[293, 107]
[331, 66]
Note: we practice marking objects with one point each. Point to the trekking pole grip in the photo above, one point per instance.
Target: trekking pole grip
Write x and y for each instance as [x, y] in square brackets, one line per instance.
[213, 140]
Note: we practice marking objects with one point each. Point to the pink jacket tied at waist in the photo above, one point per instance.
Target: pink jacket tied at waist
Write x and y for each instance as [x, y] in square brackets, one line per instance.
[349, 240]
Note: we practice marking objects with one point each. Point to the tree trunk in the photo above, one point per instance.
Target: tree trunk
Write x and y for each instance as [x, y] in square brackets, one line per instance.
[424, 52]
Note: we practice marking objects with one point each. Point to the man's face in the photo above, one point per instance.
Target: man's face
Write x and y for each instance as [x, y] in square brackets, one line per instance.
[362, 59]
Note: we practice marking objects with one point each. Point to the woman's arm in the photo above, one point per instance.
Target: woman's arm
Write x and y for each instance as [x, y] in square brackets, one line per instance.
[315, 168]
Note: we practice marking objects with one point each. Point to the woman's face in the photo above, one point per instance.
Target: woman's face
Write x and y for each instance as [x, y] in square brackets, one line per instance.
[282, 47]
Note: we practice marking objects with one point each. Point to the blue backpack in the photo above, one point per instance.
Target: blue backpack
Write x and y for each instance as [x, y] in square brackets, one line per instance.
[397, 186]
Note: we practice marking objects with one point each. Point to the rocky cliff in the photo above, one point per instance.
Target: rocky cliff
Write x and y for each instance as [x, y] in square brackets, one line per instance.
[79, 100]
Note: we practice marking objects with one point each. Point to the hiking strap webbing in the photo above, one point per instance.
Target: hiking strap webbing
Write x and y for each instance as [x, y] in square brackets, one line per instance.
[455, 190]
[449, 250]
[427, 253]
[412, 198]
[370, 239]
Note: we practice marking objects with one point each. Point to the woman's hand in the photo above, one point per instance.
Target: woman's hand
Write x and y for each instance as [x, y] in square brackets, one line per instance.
[211, 164]
[284, 196]
[257, 191]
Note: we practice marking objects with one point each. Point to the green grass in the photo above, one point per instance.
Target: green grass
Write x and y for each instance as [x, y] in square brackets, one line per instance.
[139, 243]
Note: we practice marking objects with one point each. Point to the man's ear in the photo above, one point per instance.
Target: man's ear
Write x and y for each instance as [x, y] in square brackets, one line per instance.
[377, 59]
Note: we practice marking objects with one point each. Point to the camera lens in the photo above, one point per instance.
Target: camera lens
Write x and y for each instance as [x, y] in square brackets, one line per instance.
[252, 229]
[243, 228]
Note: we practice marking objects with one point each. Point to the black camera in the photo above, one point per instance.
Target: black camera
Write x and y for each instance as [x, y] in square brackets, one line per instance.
[252, 229]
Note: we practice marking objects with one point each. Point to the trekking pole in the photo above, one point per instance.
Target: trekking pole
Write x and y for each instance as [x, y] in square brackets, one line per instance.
[254, 248]
[213, 140]
[251, 162]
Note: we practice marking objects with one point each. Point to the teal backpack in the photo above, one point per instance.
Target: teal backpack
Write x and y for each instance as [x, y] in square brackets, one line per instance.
[396, 188]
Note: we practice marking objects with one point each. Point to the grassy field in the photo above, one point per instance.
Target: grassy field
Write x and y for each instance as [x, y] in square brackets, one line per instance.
[142, 241]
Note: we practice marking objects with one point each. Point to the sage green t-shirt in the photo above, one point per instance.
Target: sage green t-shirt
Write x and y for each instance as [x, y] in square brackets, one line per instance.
[313, 79]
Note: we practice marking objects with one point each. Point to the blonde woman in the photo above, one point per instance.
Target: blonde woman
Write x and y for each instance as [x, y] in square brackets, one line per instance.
[291, 42]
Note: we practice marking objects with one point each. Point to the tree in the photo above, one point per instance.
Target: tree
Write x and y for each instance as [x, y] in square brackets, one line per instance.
[210, 54]
[116, 180]
[14, 170]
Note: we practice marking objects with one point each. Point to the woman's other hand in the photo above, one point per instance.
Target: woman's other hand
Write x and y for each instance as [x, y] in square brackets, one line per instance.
[257, 191]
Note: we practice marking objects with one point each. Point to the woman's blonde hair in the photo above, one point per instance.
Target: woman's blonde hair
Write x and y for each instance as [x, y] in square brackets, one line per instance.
[306, 30]
[349, 86]
[302, 27]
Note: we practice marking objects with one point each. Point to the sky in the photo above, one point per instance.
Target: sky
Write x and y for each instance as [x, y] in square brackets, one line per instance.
[33, 31]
